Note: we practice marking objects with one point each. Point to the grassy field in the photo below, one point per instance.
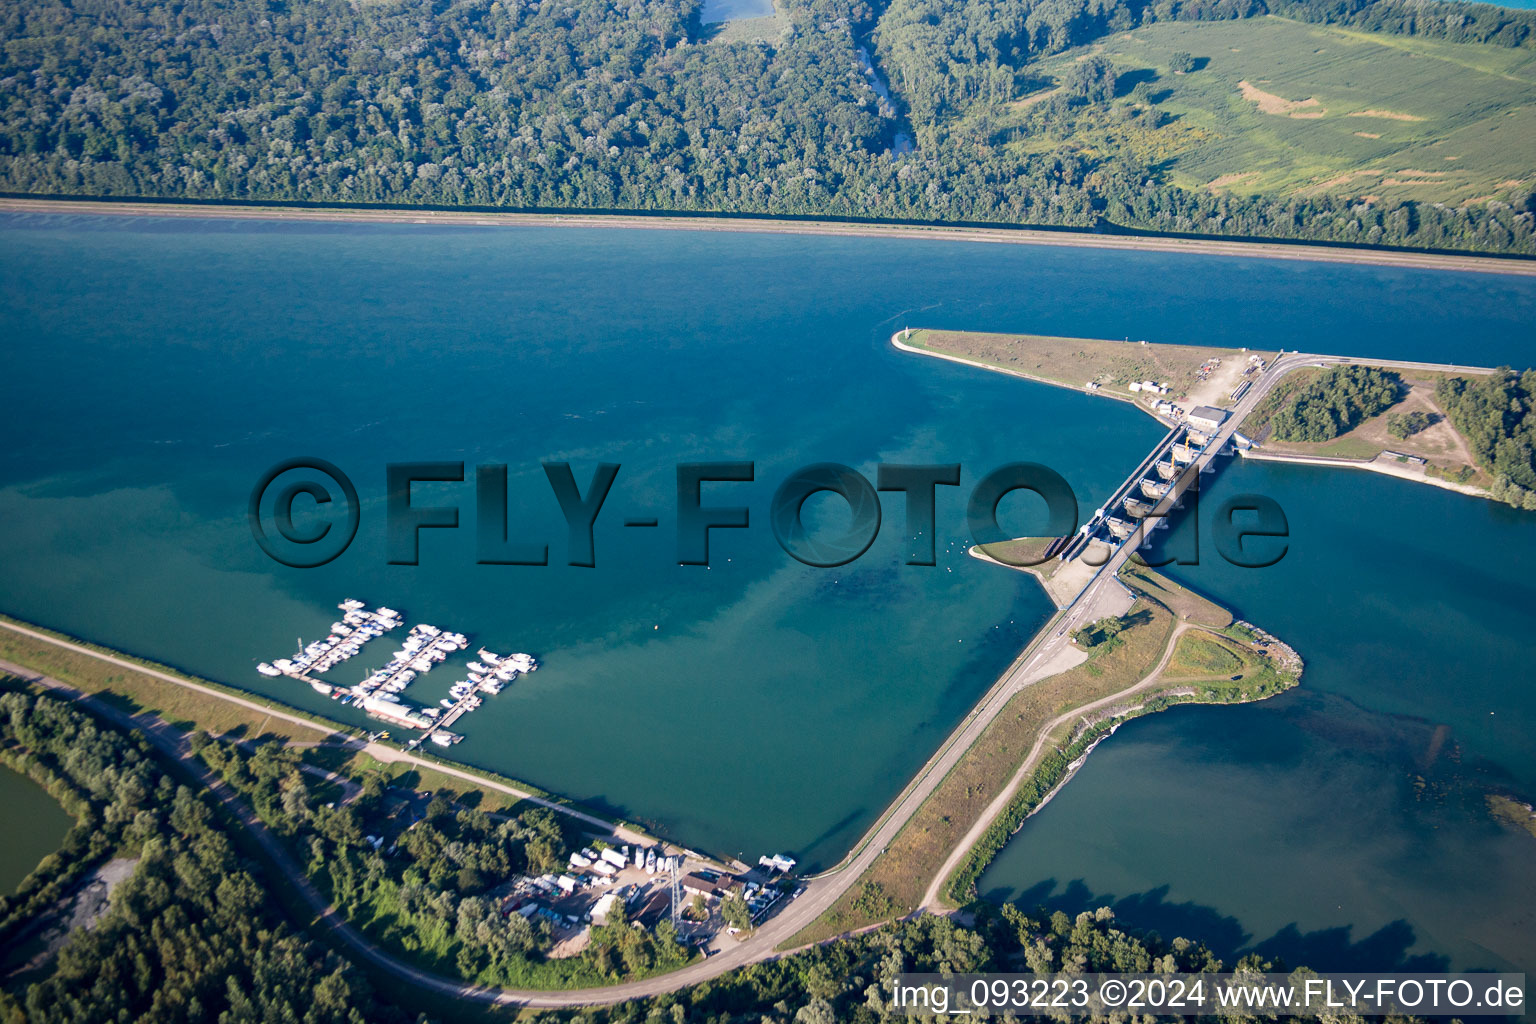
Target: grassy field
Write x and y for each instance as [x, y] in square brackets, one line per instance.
[1280, 107]
[1074, 362]
[767, 29]
[749, 30]
[1184, 602]
[1022, 551]
[1220, 666]
[1203, 656]
[137, 692]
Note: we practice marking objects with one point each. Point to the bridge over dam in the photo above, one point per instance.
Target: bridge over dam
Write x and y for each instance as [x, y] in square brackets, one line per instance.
[1080, 608]
[1158, 484]
[1153, 489]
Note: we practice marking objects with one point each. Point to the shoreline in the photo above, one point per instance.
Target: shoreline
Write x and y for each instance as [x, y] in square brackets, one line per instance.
[1044, 581]
[273, 707]
[964, 361]
[1152, 692]
[1069, 238]
[1372, 465]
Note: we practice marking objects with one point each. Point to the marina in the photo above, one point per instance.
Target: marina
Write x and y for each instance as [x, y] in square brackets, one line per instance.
[662, 691]
[345, 642]
[379, 693]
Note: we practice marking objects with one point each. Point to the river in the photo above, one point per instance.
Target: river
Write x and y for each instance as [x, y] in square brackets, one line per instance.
[158, 368]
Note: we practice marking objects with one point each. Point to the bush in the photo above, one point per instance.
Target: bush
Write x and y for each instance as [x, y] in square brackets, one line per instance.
[1404, 425]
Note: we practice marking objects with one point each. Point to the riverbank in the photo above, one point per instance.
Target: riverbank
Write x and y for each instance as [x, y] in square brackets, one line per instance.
[902, 341]
[195, 704]
[1113, 364]
[1050, 719]
[1194, 670]
[939, 232]
[1382, 463]
[1161, 379]
[1062, 582]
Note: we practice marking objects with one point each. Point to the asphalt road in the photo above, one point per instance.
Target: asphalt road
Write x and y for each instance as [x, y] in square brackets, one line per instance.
[820, 893]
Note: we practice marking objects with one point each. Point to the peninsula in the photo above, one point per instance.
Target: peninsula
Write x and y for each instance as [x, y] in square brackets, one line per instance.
[1416, 426]
[1125, 641]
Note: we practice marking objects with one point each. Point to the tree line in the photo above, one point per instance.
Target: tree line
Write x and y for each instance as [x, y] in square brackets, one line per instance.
[557, 104]
[850, 981]
[195, 935]
[1494, 414]
[192, 935]
[430, 895]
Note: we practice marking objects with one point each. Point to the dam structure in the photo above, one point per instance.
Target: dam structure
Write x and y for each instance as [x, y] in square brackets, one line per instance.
[1154, 489]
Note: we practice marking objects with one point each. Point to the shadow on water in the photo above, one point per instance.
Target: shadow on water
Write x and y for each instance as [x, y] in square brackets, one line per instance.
[1327, 949]
[1331, 947]
[850, 821]
[1144, 911]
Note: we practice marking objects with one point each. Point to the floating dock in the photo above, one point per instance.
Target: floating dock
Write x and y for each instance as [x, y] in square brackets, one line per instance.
[378, 694]
[345, 641]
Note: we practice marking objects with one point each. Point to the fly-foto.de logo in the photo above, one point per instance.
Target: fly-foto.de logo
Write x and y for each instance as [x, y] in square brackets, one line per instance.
[305, 512]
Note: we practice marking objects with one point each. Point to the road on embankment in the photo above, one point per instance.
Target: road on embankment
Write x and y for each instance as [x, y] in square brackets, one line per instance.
[933, 898]
[375, 750]
[820, 893]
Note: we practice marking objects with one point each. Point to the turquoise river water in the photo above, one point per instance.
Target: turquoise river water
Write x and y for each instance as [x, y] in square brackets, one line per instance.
[155, 370]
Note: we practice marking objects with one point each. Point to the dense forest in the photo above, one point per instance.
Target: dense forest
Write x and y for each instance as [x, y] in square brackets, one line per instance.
[427, 898]
[191, 935]
[1494, 414]
[1336, 402]
[555, 104]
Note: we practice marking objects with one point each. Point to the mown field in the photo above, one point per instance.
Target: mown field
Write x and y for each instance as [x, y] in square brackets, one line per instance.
[1280, 107]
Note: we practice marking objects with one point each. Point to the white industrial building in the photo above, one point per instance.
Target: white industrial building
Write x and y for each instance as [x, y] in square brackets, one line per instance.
[1206, 418]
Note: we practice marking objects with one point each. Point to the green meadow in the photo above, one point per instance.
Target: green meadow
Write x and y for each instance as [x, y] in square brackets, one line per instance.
[1280, 107]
